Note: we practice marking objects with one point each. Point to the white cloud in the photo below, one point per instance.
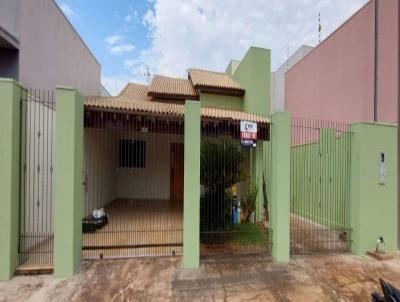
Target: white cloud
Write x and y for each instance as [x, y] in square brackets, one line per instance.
[67, 10]
[128, 18]
[117, 45]
[111, 40]
[209, 33]
[122, 48]
[114, 84]
[130, 63]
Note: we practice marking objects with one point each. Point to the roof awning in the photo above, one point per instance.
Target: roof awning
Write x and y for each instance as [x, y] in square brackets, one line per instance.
[124, 104]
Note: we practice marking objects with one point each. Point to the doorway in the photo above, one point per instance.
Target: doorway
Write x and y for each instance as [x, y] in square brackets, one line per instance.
[176, 173]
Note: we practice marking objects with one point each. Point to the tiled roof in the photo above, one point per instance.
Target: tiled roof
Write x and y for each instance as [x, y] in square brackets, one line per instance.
[135, 91]
[165, 87]
[210, 79]
[128, 104]
[167, 108]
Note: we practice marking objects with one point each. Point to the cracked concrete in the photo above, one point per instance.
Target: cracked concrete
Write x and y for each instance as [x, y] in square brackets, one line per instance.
[312, 278]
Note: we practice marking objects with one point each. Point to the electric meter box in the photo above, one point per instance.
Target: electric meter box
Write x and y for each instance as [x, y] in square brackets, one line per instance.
[382, 168]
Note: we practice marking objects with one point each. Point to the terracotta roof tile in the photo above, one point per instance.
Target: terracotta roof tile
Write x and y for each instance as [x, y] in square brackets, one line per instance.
[167, 108]
[162, 86]
[135, 91]
[128, 104]
[210, 79]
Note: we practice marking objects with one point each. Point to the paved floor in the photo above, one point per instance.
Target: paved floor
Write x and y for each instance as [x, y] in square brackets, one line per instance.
[309, 237]
[139, 223]
[312, 278]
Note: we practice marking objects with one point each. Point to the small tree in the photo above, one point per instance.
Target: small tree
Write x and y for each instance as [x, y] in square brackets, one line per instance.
[248, 203]
[221, 162]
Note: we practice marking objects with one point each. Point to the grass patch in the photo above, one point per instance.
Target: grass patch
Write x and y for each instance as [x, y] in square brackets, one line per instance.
[249, 234]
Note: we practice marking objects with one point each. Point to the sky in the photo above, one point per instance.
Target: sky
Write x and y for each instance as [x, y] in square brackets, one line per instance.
[132, 39]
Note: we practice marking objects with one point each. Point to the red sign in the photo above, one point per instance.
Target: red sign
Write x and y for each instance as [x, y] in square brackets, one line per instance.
[248, 135]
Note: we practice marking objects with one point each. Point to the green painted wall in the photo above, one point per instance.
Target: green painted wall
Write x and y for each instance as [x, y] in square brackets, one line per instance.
[280, 186]
[10, 100]
[320, 178]
[68, 196]
[373, 206]
[221, 101]
[191, 194]
[233, 64]
[254, 74]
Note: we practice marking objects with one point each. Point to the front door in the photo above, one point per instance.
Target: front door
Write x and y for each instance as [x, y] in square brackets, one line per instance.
[176, 173]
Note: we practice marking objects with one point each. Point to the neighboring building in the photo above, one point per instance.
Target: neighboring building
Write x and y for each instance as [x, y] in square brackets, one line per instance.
[40, 48]
[278, 79]
[351, 75]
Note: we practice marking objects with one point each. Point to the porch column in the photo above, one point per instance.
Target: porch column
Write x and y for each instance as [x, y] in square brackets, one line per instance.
[373, 186]
[191, 195]
[280, 186]
[68, 196]
[10, 121]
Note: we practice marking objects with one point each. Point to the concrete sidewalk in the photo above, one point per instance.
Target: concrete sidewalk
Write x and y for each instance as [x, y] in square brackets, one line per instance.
[313, 278]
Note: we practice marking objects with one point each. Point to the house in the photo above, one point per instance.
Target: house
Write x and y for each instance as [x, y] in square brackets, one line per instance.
[351, 75]
[40, 48]
[134, 165]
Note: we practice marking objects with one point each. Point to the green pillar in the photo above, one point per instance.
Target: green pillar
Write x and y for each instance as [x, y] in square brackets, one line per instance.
[68, 196]
[373, 211]
[191, 208]
[10, 121]
[280, 186]
[259, 166]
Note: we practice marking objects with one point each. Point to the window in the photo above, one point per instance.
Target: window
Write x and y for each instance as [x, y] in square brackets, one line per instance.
[132, 153]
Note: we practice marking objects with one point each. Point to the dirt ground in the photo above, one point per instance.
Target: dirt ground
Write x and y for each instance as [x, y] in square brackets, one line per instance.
[312, 278]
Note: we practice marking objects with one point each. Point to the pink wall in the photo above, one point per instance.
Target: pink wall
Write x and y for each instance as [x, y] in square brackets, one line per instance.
[336, 80]
[387, 68]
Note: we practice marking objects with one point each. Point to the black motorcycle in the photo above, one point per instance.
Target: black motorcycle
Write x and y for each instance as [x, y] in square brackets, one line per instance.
[390, 293]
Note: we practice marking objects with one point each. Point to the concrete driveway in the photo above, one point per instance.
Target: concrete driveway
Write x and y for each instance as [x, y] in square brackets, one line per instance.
[312, 278]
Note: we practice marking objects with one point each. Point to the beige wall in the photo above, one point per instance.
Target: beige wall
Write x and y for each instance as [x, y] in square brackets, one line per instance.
[52, 53]
[100, 169]
[106, 181]
[153, 181]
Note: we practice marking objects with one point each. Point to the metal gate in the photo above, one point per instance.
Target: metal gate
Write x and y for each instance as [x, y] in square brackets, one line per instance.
[320, 187]
[235, 183]
[37, 178]
[133, 205]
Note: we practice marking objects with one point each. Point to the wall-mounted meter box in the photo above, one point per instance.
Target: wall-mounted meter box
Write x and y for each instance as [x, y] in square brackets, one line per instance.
[382, 168]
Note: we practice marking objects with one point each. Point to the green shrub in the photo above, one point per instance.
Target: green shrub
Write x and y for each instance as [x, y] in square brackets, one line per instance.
[220, 168]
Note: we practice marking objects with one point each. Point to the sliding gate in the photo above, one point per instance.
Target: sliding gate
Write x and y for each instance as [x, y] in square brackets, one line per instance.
[133, 205]
[319, 187]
